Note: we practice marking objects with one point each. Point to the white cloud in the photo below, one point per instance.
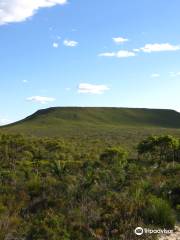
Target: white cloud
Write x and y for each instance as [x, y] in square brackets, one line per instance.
[124, 54]
[25, 81]
[55, 45]
[136, 50]
[40, 99]
[20, 10]
[155, 75]
[70, 43]
[4, 121]
[120, 40]
[174, 74]
[119, 54]
[159, 47]
[107, 54]
[92, 88]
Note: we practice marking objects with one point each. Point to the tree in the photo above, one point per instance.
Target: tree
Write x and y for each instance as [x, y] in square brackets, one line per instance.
[162, 148]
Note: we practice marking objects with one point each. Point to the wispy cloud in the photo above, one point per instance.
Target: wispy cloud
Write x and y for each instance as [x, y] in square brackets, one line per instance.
[159, 47]
[155, 75]
[70, 43]
[174, 74]
[25, 81]
[120, 40]
[148, 48]
[41, 99]
[92, 88]
[119, 54]
[136, 50]
[107, 54]
[20, 10]
[55, 45]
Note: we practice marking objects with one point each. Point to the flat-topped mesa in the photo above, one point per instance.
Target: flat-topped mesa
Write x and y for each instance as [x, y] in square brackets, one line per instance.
[62, 119]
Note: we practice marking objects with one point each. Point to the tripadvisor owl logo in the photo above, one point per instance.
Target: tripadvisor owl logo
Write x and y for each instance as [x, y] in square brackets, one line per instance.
[139, 231]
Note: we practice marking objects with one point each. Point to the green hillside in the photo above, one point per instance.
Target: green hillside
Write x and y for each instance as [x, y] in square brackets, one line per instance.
[62, 118]
[123, 125]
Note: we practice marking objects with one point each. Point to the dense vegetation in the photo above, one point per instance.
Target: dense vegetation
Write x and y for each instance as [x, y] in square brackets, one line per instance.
[56, 189]
[98, 128]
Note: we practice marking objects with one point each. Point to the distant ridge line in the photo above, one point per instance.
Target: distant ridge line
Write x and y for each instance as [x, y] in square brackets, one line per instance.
[61, 119]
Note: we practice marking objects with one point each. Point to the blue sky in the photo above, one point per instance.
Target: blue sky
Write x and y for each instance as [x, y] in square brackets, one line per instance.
[120, 53]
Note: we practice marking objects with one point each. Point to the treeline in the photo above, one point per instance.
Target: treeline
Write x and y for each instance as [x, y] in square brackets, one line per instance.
[51, 190]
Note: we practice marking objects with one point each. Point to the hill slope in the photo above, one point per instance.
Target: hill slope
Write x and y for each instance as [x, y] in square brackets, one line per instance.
[72, 120]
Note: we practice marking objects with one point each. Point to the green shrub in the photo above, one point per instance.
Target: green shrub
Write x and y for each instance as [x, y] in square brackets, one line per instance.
[159, 213]
[114, 155]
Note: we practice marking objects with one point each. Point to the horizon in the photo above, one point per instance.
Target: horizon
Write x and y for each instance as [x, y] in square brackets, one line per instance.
[118, 56]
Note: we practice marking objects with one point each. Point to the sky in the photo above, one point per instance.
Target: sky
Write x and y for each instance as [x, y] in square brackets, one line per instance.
[119, 53]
